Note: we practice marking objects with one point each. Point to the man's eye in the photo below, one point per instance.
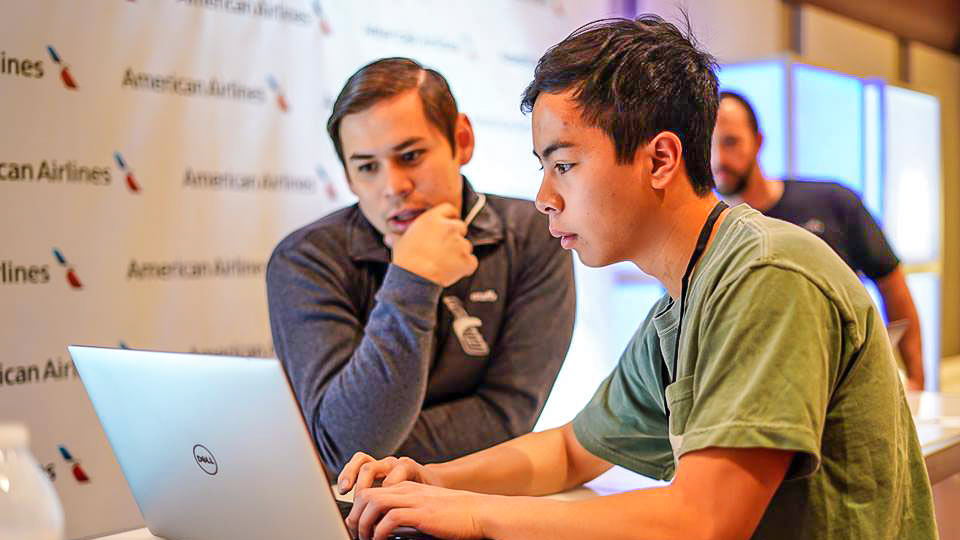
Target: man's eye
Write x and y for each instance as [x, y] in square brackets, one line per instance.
[563, 168]
[411, 156]
[368, 167]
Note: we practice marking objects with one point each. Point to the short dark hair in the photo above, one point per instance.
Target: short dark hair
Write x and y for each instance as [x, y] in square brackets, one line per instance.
[634, 79]
[390, 77]
[751, 115]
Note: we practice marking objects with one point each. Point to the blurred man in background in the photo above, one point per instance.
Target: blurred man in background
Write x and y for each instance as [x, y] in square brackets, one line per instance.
[414, 321]
[828, 210]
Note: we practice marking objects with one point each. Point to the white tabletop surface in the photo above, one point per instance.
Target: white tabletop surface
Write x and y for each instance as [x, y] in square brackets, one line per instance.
[937, 417]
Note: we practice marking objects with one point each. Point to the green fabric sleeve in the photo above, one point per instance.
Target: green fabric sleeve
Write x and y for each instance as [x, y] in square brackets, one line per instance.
[625, 422]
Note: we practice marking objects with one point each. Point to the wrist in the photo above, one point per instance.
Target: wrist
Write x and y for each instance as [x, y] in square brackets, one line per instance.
[433, 473]
[419, 268]
[502, 516]
[490, 515]
[404, 286]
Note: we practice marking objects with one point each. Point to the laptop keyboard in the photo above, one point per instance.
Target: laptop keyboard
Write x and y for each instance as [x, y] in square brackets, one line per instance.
[345, 508]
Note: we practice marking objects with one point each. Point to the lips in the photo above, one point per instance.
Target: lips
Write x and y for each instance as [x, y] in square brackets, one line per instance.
[567, 239]
[401, 219]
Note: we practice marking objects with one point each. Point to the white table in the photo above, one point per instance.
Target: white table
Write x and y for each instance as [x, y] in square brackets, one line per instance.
[937, 417]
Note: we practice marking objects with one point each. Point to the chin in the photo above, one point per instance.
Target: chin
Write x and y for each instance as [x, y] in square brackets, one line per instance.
[728, 189]
[592, 260]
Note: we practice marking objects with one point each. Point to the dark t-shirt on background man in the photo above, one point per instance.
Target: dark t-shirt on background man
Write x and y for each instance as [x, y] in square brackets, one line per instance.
[836, 215]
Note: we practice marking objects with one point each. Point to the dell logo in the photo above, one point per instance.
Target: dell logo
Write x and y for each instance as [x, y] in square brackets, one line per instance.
[205, 459]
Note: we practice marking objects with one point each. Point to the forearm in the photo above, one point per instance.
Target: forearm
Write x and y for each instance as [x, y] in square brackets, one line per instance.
[342, 371]
[717, 493]
[535, 464]
[353, 415]
[911, 351]
[506, 405]
[899, 306]
[450, 430]
[526, 465]
[659, 514]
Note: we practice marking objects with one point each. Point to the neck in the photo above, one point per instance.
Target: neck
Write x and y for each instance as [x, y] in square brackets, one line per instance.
[667, 260]
[759, 192]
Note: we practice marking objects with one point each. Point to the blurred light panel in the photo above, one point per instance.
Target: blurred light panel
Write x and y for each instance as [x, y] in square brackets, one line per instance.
[925, 289]
[596, 344]
[612, 302]
[875, 295]
[881, 141]
[631, 303]
[873, 149]
[827, 126]
[912, 174]
[764, 84]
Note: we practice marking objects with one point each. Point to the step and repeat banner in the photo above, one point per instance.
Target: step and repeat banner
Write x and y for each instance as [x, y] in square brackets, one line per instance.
[153, 152]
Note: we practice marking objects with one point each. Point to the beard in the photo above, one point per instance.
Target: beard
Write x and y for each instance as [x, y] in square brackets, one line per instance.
[739, 181]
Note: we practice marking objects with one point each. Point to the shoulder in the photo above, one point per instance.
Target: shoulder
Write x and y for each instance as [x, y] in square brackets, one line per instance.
[780, 257]
[326, 238]
[753, 237]
[754, 240]
[832, 193]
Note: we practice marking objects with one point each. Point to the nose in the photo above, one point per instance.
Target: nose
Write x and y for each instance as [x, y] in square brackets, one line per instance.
[399, 185]
[548, 200]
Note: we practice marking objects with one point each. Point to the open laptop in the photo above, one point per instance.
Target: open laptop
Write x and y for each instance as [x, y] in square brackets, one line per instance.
[213, 447]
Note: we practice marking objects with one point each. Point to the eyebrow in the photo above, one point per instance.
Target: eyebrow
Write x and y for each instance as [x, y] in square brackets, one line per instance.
[407, 143]
[398, 148]
[553, 148]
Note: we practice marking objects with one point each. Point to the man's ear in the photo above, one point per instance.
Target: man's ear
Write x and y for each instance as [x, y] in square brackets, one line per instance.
[756, 151]
[665, 151]
[463, 138]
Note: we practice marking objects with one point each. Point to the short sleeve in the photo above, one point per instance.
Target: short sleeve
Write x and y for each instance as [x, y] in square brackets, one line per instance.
[769, 355]
[869, 250]
[625, 422]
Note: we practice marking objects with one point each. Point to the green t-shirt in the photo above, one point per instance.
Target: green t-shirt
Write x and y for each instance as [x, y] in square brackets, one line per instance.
[783, 348]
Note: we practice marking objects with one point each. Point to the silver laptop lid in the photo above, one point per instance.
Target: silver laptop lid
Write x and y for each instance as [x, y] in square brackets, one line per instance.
[213, 447]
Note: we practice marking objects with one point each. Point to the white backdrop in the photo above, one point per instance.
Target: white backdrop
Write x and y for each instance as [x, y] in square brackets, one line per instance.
[153, 152]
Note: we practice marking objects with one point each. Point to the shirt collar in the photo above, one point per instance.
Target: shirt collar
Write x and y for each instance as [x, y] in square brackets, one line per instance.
[365, 243]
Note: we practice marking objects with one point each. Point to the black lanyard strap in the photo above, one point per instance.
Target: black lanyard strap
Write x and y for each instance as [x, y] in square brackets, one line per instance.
[697, 253]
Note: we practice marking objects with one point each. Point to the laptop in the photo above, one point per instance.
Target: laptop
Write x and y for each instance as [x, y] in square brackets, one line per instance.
[213, 447]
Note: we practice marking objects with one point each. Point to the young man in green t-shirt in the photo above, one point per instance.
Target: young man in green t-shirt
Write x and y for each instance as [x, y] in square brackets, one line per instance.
[763, 383]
